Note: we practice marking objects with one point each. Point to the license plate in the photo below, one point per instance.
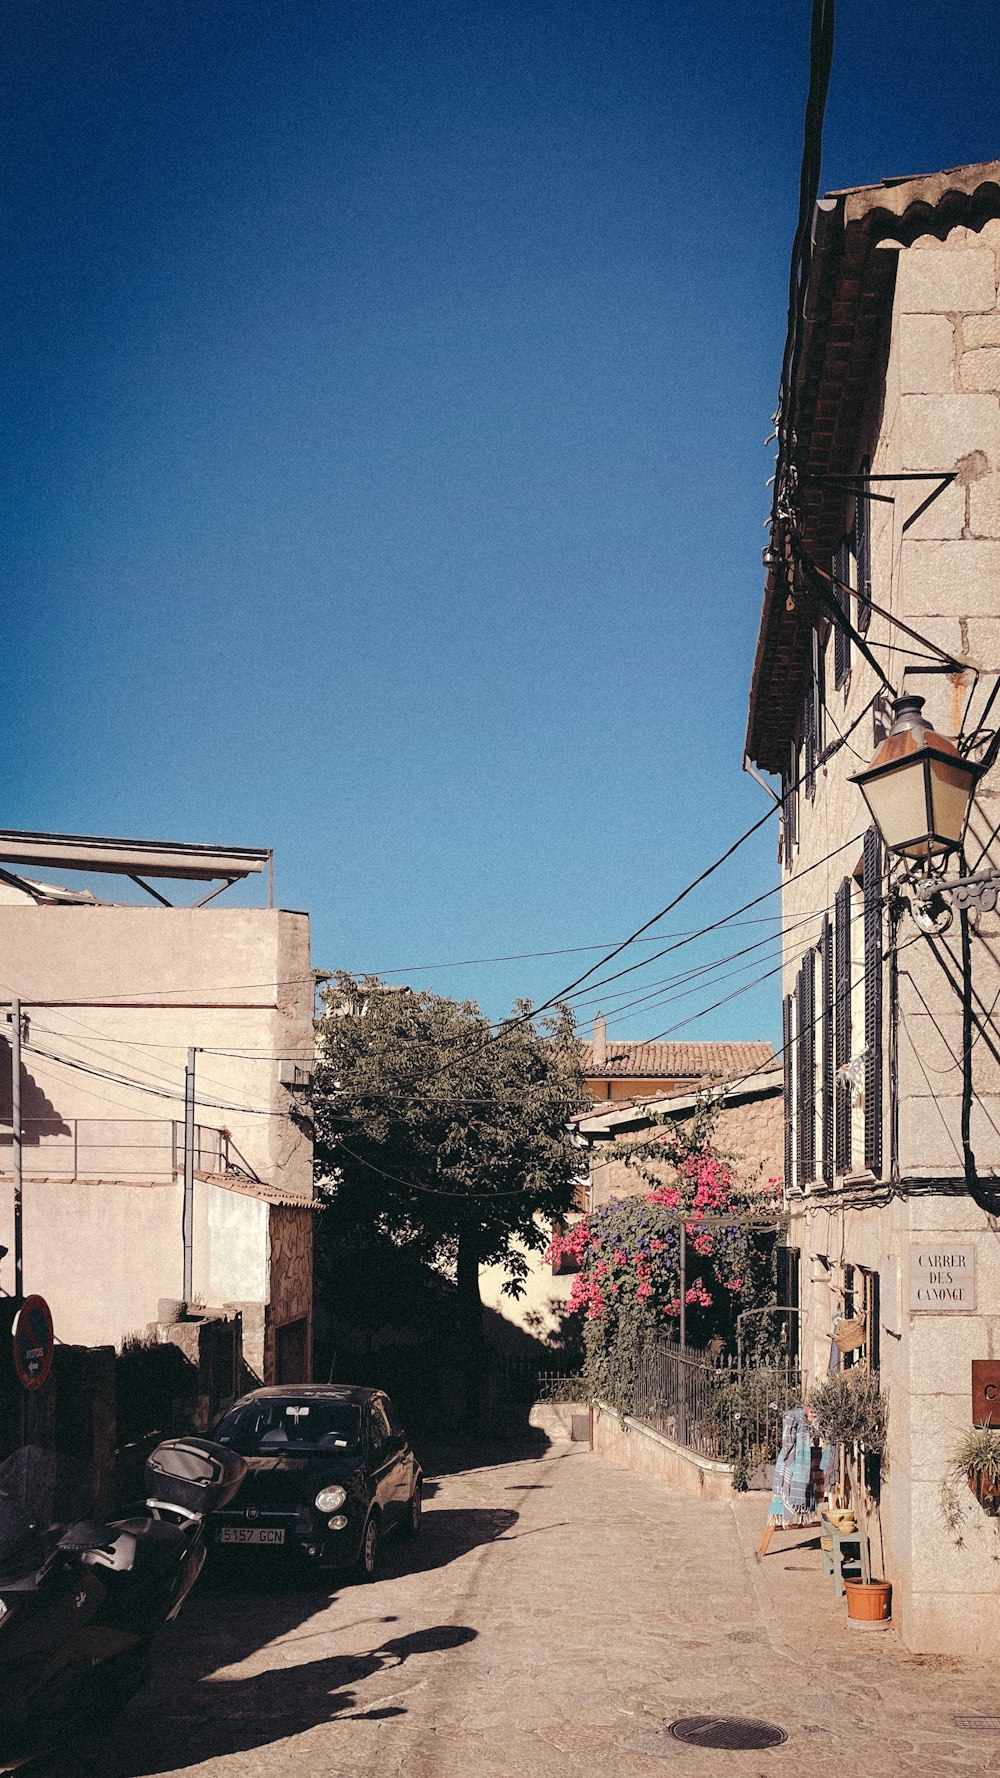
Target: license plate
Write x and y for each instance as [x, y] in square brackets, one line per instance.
[250, 1534]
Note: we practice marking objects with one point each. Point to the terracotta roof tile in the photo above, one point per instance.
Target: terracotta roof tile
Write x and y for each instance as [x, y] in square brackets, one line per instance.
[675, 1061]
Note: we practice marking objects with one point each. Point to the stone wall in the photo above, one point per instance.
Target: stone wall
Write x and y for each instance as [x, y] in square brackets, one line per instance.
[753, 1131]
[632, 1445]
[939, 409]
[290, 1234]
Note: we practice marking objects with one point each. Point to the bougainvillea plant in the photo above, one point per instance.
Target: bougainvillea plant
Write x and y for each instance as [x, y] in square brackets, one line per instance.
[628, 1253]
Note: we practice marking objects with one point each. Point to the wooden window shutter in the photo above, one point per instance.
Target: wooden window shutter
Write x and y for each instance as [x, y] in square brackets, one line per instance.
[787, 1280]
[842, 1023]
[787, 1043]
[809, 739]
[827, 1107]
[790, 808]
[863, 548]
[841, 640]
[873, 1001]
[806, 991]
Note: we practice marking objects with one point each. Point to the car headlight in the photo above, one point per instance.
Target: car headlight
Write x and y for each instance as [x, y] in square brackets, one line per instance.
[328, 1499]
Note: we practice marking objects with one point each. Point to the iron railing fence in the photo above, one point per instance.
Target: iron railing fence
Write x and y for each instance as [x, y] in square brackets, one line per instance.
[560, 1386]
[519, 1380]
[714, 1407]
[113, 1148]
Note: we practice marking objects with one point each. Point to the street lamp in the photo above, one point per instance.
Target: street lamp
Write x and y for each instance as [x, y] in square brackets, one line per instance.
[918, 787]
[919, 790]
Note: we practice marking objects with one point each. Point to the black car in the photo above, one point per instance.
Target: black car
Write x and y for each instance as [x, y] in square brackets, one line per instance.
[330, 1472]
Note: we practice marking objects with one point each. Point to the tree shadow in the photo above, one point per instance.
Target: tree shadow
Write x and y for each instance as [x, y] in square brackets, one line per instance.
[216, 1717]
[259, 1612]
[453, 1456]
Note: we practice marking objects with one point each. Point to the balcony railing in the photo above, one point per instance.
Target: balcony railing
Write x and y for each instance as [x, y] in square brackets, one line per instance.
[113, 1148]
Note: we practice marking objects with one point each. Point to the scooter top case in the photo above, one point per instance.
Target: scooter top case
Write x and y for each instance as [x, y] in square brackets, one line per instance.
[193, 1474]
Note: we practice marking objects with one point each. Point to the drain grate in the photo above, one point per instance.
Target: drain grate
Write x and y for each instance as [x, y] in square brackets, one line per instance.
[733, 1732]
[990, 1723]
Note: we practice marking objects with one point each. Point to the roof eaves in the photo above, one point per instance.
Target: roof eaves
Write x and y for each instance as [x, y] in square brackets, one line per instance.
[847, 292]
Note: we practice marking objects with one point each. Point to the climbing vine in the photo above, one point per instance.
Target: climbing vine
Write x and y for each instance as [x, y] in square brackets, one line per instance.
[627, 1286]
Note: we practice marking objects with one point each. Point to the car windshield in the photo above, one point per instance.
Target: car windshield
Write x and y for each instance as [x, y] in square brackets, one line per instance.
[268, 1428]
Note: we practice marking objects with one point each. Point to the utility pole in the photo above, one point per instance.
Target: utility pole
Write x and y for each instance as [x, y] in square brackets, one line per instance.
[188, 1216]
[16, 1146]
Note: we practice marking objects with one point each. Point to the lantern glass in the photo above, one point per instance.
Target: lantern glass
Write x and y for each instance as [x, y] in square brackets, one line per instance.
[898, 803]
[918, 787]
[951, 785]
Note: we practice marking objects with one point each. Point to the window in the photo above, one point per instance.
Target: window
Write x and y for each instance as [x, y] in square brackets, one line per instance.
[263, 1426]
[380, 1434]
[788, 1057]
[809, 740]
[826, 1050]
[842, 1024]
[812, 718]
[790, 809]
[873, 1001]
[863, 548]
[805, 994]
[841, 640]
[787, 1282]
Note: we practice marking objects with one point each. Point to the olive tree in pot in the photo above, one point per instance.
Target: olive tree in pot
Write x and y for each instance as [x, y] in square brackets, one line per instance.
[851, 1411]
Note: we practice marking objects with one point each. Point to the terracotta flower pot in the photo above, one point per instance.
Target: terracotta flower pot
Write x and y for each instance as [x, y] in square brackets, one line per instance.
[868, 1601]
[987, 1492]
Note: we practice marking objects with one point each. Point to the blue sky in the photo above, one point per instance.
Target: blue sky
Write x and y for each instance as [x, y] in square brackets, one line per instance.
[385, 391]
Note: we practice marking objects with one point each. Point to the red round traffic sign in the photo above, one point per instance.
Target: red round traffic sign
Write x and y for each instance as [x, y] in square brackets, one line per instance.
[34, 1342]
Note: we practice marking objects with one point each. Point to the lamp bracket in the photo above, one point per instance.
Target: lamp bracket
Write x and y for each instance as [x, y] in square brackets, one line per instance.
[980, 891]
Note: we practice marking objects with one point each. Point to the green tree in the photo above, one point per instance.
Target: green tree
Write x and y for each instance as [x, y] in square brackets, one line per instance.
[450, 1140]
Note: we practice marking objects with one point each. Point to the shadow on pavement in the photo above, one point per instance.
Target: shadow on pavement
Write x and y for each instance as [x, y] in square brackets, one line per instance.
[217, 1717]
[457, 1456]
[446, 1534]
[258, 1613]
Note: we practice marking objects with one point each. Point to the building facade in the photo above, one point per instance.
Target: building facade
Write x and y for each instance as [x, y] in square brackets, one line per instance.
[896, 459]
[116, 1001]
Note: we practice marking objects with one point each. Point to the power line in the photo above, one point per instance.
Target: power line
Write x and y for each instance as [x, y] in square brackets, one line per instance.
[139, 1086]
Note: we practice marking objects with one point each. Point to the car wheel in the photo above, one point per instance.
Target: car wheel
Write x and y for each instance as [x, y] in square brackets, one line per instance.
[414, 1510]
[371, 1549]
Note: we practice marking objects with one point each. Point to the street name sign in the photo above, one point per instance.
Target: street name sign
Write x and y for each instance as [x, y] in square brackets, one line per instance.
[942, 1279]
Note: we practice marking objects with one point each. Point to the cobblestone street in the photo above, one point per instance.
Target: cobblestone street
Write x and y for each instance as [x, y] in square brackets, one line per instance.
[555, 1616]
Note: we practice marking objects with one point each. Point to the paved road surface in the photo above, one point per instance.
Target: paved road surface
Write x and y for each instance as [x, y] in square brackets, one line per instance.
[554, 1617]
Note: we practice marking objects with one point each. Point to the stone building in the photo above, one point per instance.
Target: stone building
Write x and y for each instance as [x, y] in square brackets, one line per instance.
[750, 1126]
[117, 999]
[896, 456]
[627, 1068]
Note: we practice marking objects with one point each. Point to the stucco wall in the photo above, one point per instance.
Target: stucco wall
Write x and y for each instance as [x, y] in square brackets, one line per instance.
[126, 991]
[540, 1310]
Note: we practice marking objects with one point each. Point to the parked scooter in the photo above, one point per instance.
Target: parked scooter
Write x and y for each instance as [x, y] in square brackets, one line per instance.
[81, 1599]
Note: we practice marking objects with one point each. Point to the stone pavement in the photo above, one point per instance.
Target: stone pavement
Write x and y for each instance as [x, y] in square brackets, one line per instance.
[554, 1617]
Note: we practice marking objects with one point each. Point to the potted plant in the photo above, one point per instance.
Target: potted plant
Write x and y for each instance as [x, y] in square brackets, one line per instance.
[850, 1411]
[977, 1461]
